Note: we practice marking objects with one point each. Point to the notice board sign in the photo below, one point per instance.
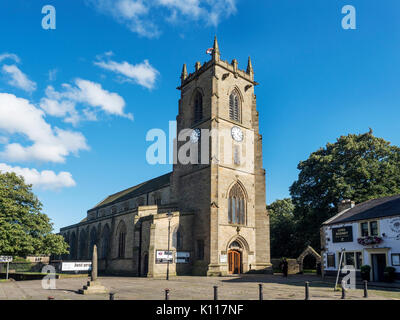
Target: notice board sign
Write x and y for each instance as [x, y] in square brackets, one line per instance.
[6, 259]
[76, 266]
[182, 257]
[164, 256]
[342, 234]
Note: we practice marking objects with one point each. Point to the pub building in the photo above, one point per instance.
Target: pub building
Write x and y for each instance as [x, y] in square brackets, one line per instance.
[368, 234]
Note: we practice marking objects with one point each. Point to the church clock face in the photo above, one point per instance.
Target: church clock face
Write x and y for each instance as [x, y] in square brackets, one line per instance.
[237, 134]
[195, 136]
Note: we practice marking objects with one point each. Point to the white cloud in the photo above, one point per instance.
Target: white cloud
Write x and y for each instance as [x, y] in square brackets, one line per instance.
[11, 56]
[18, 116]
[141, 16]
[18, 78]
[45, 179]
[63, 104]
[142, 73]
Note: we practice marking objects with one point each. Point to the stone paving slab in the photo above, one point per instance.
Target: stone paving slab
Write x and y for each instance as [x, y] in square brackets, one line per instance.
[191, 288]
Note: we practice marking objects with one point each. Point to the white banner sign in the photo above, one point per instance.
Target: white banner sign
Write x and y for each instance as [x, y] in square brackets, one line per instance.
[76, 266]
[6, 259]
[164, 256]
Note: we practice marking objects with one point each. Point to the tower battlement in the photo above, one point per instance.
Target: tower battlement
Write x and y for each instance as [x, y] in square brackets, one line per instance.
[232, 68]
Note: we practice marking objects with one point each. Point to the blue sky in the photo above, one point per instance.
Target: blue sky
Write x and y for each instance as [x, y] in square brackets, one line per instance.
[317, 82]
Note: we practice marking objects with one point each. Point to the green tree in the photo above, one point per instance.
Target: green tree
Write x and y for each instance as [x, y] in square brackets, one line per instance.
[282, 229]
[24, 229]
[357, 167]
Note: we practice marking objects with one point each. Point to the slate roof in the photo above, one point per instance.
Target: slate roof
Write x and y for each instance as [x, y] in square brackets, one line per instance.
[143, 188]
[376, 208]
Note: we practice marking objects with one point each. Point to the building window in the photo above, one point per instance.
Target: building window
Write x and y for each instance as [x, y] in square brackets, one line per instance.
[121, 245]
[121, 239]
[114, 210]
[352, 259]
[236, 205]
[236, 155]
[364, 229]
[198, 107]
[369, 228]
[200, 249]
[126, 206]
[395, 259]
[234, 107]
[331, 261]
[373, 228]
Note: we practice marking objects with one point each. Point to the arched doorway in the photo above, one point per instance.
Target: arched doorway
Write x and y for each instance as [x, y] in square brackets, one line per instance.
[235, 259]
[235, 262]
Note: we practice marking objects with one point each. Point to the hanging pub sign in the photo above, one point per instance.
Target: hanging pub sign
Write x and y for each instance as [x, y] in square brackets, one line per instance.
[342, 234]
[164, 256]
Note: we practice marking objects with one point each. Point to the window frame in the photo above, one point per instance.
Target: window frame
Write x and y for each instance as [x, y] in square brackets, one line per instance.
[395, 254]
[369, 222]
[357, 263]
[334, 260]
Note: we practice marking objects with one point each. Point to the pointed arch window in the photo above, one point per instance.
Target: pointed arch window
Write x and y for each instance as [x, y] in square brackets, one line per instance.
[236, 205]
[234, 107]
[121, 240]
[198, 107]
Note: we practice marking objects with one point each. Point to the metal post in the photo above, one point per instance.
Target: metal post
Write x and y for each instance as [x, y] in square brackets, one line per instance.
[8, 266]
[307, 291]
[260, 291]
[169, 228]
[215, 292]
[112, 295]
[340, 265]
[365, 289]
[343, 290]
[166, 294]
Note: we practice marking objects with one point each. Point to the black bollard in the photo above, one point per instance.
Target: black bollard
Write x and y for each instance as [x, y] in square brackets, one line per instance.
[343, 291]
[215, 292]
[307, 290]
[166, 294]
[365, 289]
[112, 295]
[260, 291]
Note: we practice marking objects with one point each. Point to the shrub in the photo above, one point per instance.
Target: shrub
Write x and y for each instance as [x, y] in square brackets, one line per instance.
[389, 274]
[365, 272]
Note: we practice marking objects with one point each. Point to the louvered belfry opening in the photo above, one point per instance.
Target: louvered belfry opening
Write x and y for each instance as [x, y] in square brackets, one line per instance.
[198, 107]
[234, 108]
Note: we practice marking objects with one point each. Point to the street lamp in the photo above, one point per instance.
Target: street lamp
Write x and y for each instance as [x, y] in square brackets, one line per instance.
[169, 215]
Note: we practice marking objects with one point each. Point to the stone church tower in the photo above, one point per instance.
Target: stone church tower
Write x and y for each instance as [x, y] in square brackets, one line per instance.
[207, 217]
[226, 191]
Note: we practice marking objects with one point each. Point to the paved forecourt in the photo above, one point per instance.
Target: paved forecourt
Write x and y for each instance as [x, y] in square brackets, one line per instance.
[183, 288]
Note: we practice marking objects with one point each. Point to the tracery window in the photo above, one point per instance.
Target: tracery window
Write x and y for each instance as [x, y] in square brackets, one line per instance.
[236, 205]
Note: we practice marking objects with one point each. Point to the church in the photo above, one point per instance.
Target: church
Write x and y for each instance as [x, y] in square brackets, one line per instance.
[205, 218]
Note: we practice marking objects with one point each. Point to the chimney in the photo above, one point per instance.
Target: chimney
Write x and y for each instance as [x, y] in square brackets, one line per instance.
[345, 204]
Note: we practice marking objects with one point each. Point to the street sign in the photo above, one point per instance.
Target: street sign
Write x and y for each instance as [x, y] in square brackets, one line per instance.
[6, 259]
